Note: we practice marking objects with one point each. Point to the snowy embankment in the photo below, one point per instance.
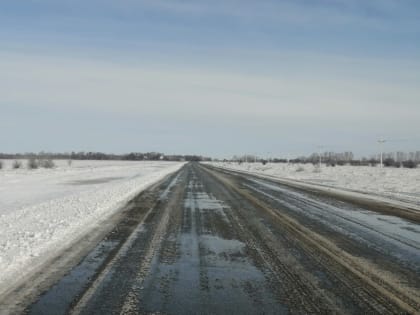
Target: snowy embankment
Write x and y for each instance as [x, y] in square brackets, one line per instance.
[42, 211]
[396, 183]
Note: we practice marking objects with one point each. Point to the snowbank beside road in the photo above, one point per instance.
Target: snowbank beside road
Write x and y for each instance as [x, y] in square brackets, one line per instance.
[398, 183]
[43, 210]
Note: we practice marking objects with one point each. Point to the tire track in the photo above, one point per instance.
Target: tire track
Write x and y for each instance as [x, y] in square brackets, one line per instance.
[381, 296]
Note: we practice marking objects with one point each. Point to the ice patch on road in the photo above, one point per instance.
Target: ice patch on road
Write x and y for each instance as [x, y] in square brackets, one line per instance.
[202, 201]
[393, 227]
[218, 245]
[391, 235]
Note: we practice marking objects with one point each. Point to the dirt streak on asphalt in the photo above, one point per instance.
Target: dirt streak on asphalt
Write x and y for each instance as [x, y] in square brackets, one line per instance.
[214, 242]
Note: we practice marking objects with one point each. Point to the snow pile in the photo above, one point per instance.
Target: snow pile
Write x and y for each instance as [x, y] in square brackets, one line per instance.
[43, 210]
[398, 183]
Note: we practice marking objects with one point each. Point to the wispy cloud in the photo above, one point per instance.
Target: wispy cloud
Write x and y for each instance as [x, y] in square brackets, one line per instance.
[61, 82]
[358, 13]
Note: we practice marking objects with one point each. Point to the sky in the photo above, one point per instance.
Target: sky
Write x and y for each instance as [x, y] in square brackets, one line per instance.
[217, 78]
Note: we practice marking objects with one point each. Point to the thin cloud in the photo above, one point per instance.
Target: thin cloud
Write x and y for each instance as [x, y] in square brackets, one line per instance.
[61, 82]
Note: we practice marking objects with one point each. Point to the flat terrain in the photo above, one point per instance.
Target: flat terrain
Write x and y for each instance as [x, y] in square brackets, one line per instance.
[209, 241]
[397, 183]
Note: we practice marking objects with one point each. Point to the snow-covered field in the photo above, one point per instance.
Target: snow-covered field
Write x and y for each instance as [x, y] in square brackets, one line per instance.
[400, 183]
[43, 210]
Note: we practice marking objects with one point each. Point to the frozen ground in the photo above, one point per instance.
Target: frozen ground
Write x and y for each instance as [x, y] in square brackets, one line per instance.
[43, 210]
[398, 183]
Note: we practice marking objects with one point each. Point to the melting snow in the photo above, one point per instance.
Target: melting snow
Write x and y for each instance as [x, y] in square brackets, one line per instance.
[44, 210]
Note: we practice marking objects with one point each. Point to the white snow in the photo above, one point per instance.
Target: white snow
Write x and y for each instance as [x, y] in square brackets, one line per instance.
[396, 183]
[43, 210]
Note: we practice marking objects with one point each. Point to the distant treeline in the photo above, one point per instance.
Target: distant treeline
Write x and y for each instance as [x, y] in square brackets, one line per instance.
[134, 156]
[393, 159]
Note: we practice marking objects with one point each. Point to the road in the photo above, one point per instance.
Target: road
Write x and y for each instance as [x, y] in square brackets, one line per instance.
[208, 241]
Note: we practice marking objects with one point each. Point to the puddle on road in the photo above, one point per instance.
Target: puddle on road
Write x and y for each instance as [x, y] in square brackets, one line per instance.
[210, 272]
[57, 299]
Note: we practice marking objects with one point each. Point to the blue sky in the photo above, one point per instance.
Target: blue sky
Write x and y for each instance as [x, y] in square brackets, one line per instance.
[209, 77]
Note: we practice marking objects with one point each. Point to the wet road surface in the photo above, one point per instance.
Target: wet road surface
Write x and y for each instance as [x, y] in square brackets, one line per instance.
[212, 242]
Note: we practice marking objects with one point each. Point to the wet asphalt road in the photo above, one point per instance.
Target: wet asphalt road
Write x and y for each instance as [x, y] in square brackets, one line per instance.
[211, 242]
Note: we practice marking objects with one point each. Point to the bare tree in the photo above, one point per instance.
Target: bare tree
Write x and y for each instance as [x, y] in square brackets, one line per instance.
[47, 163]
[33, 163]
[17, 164]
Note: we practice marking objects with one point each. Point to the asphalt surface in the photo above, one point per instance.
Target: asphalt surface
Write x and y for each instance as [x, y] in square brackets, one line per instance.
[208, 241]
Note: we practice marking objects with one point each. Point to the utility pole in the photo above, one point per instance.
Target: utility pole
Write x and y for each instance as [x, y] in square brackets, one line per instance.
[320, 159]
[381, 142]
[319, 154]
